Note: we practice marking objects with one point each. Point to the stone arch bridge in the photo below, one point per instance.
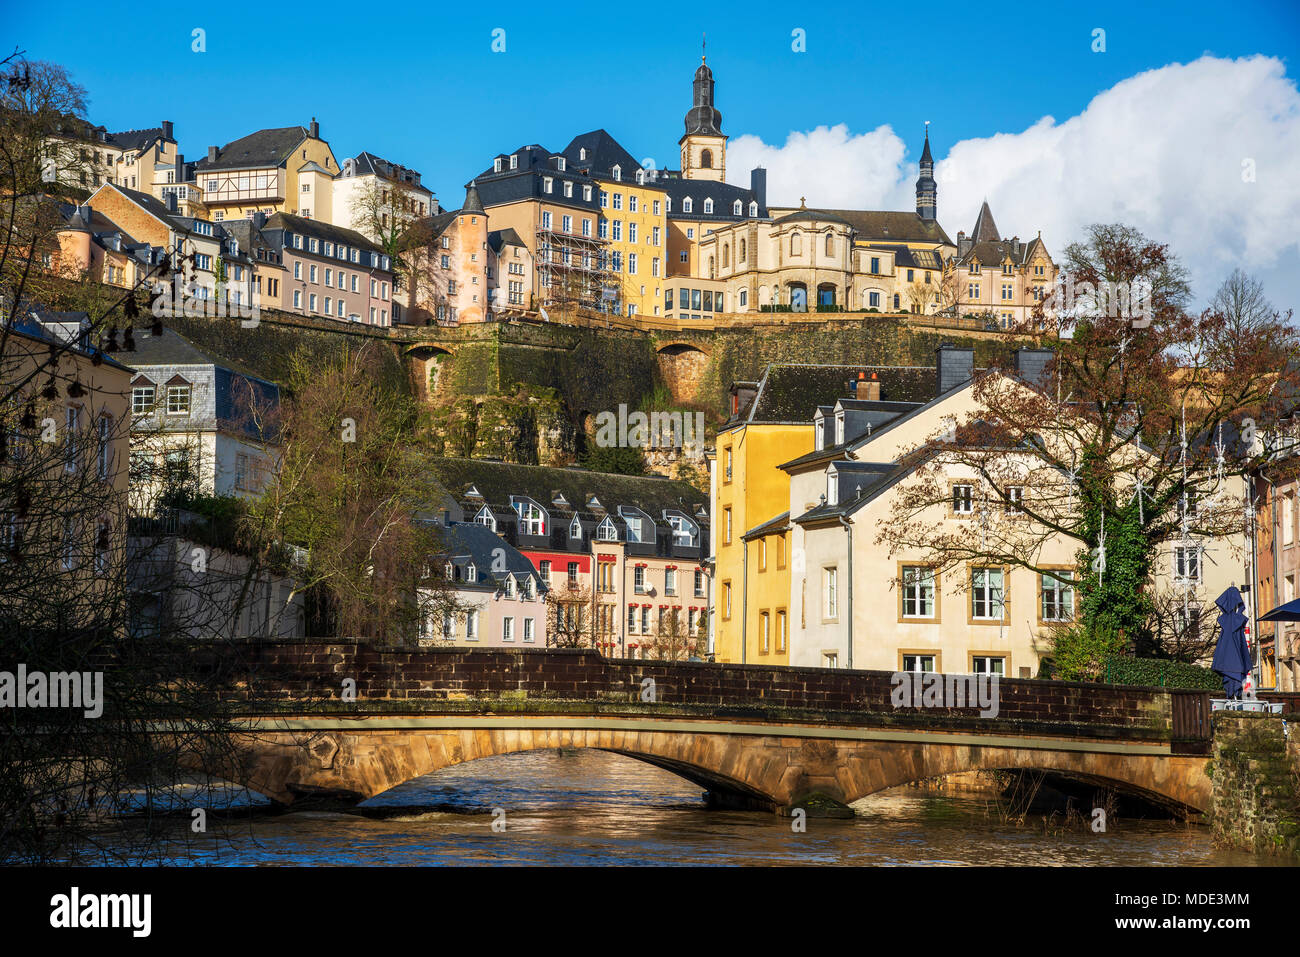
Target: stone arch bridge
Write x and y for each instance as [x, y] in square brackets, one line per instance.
[753, 736]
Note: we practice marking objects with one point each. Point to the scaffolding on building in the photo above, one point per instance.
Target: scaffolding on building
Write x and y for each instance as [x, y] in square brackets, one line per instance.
[575, 272]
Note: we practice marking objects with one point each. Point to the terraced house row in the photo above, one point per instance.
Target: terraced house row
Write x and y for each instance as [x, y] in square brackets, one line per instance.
[591, 559]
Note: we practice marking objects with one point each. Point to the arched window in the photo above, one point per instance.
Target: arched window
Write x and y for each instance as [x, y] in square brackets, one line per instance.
[706, 159]
[796, 244]
[753, 208]
[897, 302]
[708, 207]
[710, 267]
[726, 255]
[830, 245]
[736, 208]
[742, 252]
[687, 205]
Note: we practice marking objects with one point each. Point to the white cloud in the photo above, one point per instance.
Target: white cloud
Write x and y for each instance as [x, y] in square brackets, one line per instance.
[1162, 150]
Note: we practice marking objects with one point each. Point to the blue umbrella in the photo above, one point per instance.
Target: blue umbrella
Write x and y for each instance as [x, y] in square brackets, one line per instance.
[1288, 612]
[1231, 656]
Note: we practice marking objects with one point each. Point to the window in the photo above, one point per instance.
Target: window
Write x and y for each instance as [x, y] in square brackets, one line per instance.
[241, 471]
[448, 626]
[764, 632]
[178, 400]
[918, 663]
[830, 659]
[634, 532]
[962, 499]
[699, 583]
[1057, 597]
[105, 448]
[830, 594]
[1015, 497]
[986, 594]
[532, 520]
[618, 201]
[670, 581]
[1187, 563]
[142, 399]
[508, 586]
[529, 634]
[918, 592]
[631, 617]
[573, 574]
[471, 626]
[507, 629]
[684, 531]
[1288, 518]
[471, 572]
[606, 532]
[638, 579]
[726, 600]
[988, 665]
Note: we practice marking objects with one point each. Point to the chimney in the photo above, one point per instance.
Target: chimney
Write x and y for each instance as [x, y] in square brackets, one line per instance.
[314, 129]
[171, 202]
[870, 389]
[259, 219]
[1031, 366]
[167, 130]
[758, 185]
[953, 366]
[212, 154]
[180, 167]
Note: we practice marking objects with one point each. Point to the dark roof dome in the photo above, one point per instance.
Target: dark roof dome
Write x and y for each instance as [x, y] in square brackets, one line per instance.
[702, 117]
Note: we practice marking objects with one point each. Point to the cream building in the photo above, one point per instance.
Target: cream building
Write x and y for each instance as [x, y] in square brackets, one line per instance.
[854, 604]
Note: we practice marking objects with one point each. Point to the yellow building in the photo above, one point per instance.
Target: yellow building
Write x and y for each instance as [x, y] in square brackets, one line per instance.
[633, 217]
[771, 422]
[285, 170]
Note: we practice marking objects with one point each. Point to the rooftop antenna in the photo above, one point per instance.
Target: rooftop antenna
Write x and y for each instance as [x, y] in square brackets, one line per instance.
[704, 38]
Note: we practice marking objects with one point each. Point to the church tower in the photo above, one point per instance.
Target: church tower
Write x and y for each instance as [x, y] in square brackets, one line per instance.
[927, 191]
[704, 147]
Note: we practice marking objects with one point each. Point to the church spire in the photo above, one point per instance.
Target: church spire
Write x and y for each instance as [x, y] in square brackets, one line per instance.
[927, 191]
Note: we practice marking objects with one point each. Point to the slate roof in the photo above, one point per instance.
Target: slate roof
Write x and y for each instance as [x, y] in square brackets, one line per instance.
[271, 147]
[780, 523]
[723, 195]
[135, 139]
[603, 154]
[893, 226]
[883, 476]
[792, 392]
[985, 231]
[504, 237]
[425, 231]
[811, 215]
[497, 482]
[321, 230]
[465, 542]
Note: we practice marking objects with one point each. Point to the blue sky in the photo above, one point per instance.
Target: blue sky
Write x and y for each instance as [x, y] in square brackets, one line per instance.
[428, 91]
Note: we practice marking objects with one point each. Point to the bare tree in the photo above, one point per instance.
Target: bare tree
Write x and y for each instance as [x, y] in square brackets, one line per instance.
[1242, 301]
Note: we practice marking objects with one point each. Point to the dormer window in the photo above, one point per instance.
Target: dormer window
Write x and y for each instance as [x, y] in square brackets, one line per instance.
[640, 177]
[485, 517]
[839, 427]
[575, 528]
[736, 208]
[685, 532]
[753, 209]
[471, 573]
[582, 152]
[606, 532]
[832, 486]
[559, 163]
[496, 165]
[687, 205]
[819, 432]
[708, 207]
[449, 572]
[532, 520]
[618, 174]
[530, 588]
[514, 161]
[508, 584]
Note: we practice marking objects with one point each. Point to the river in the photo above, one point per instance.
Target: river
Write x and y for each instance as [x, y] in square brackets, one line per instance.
[590, 807]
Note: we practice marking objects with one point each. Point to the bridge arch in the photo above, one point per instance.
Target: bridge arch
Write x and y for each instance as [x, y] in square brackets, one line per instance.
[791, 767]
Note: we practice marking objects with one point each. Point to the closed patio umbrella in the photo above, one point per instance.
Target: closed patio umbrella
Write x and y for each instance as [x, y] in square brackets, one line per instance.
[1231, 655]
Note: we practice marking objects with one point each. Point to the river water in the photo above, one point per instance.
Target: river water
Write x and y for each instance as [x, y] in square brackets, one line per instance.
[589, 807]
